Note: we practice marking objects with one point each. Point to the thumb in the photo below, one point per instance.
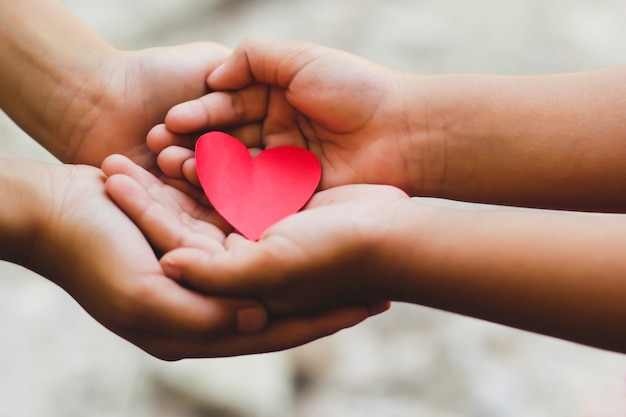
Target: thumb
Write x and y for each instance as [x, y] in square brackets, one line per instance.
[245, 270]
[263, 60]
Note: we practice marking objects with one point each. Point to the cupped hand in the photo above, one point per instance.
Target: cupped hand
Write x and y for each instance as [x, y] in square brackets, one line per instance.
[125, 96]
[350, 112]
[85, 244]
[332, 254]
[171, 219]
[338, 251]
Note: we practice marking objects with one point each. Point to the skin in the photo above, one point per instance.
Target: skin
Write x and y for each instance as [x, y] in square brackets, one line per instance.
[357, 244]
[82, 100]
[553, 141]
[60, 215]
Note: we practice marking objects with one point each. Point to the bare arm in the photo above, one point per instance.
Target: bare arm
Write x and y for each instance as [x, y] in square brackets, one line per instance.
[560, 274]
[48, 65]
[555, 273]
[556, 141]
[81, 98]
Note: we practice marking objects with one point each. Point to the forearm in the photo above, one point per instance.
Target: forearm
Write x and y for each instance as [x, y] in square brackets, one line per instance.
[18, 213]
[47, 62]
[556, 141]
[559, 274]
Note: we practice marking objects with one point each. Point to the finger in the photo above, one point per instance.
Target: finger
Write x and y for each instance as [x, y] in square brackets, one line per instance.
[159, 138]
[219, 109]
[169, 197]
[119, 164]
[277, 335]
[195, 192]
[190, 172]
[249, 134]
[171, 159]
[233, 272]
[281, 127]
[161, 225]
[159, 307]
[178, 203]
[268, 61]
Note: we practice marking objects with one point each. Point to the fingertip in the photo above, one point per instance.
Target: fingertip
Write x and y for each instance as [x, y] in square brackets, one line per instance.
[114, 164]
[216, 73]
[113, 184]
[190, 172]
[171, 160]
[170, 266]
[175, 263]
[187, 117]
[154, 138]
[120, 187]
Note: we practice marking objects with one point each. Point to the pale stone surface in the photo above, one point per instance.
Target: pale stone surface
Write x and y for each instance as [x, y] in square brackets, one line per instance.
[56, 361]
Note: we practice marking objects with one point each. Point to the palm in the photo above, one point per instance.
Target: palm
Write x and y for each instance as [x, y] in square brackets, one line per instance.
[343, 109]
[353, 127]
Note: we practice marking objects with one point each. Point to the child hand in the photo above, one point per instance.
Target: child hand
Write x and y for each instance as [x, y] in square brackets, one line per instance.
[327, 256]
[350, 112]
[334, 253]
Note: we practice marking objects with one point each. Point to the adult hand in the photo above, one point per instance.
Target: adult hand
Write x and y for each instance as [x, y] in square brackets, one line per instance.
[133, 93]
[170, 219]
[83, 99]
[327, 256]
[84, 243]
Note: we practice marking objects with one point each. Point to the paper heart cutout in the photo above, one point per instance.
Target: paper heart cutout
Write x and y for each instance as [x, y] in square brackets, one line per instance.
[254, 193]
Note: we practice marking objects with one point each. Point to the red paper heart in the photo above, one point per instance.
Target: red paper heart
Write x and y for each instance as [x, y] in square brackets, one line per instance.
[254, 193]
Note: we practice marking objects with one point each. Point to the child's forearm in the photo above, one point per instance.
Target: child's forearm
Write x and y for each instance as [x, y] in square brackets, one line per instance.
[560, 274]
[555, 141]
[48, 59]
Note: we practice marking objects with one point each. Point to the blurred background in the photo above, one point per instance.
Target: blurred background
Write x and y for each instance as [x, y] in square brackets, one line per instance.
[55, 361]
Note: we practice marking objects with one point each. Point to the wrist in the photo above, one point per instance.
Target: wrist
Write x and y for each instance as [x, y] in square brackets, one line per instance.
[20, 217]
[398, 246]
[389, 234]
[50, 65]
[428, 118]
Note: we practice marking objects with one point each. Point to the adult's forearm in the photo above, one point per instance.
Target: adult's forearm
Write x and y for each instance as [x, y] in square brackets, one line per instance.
[560, 274]
[20, 205]
[46, 57]
[554, 141]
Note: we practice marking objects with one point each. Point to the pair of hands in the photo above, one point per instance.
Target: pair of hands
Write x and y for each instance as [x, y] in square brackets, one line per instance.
[350, 113]
[135, 297]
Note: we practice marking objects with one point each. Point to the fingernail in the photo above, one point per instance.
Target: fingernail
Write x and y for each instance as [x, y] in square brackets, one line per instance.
[170, 269]
[215, 73]
[251, 319]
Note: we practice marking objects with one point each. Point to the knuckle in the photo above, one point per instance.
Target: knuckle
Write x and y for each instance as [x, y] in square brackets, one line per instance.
[238, 104]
